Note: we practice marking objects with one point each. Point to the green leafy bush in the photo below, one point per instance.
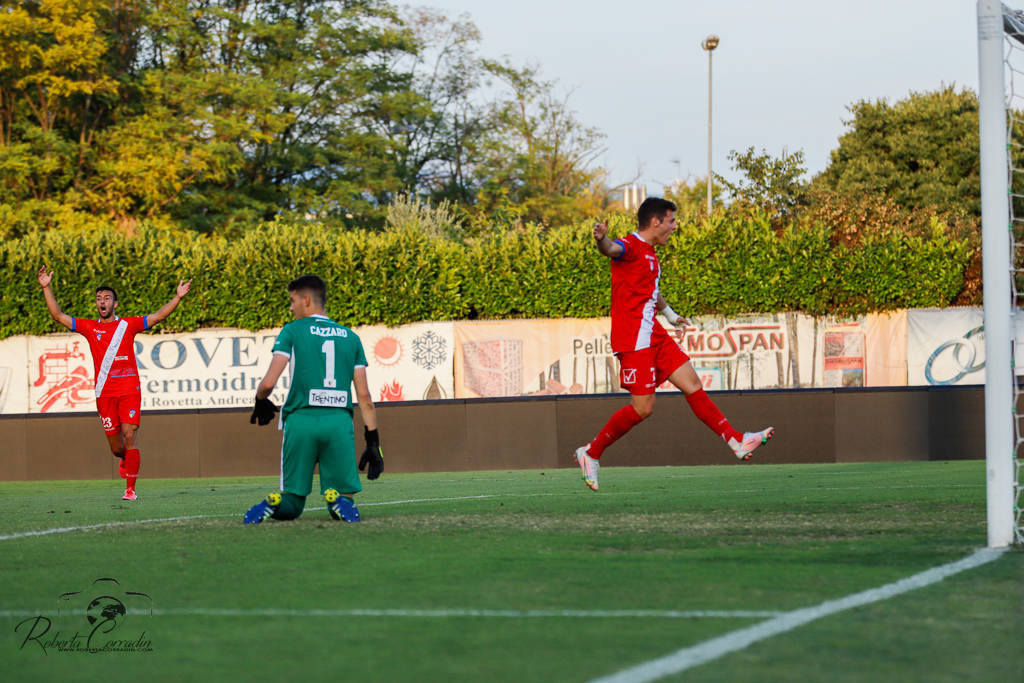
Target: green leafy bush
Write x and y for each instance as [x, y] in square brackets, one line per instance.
[407, 274]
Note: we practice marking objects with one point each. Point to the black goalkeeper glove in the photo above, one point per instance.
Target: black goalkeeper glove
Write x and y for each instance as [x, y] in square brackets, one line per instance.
[263, 412]
[372, 456]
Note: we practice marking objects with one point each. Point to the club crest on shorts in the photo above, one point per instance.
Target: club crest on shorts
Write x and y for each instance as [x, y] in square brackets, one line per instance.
[131, 413]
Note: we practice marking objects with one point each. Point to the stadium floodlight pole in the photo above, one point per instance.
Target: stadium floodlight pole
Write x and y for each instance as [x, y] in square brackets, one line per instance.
[996, 236]
[709, 44]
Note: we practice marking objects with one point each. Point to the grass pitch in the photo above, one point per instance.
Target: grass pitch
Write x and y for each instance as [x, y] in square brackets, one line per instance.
[517, 576]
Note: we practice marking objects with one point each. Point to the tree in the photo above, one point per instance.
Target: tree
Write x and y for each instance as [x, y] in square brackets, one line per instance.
[55, 91]
[287, 91]
[435, 135]
[774, 185]
[207, 112]
[691, 197]
[219, 114]
[921, 152]
[538, 159]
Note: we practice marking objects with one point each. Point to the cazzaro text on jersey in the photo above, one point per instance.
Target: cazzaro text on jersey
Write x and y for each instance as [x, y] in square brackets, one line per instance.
[328, 331]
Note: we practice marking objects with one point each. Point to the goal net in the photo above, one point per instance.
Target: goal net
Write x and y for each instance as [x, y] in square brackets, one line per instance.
[1001, 127]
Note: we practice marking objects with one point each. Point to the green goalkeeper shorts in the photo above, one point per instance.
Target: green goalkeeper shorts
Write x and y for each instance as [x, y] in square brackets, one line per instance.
[324, 436]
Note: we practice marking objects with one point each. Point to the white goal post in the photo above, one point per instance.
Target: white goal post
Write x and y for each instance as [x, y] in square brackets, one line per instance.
[1000, 33]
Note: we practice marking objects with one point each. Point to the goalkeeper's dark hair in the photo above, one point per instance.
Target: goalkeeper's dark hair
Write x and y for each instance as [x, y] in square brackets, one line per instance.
[312, 284]
[653, 208]
[105, 288]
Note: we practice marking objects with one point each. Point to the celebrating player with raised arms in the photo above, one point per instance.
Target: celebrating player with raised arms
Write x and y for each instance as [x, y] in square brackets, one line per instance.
[112, 342]
[327, 359]
[647, 355]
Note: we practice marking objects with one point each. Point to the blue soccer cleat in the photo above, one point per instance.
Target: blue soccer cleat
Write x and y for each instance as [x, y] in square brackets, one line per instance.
[262, 510]
[341, 507]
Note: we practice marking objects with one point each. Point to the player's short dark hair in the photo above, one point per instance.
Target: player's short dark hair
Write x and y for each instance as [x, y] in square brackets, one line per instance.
[105, 288]
[312, 284]
[653, 208]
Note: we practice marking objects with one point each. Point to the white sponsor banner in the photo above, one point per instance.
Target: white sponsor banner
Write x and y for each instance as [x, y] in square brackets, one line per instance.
[409, 363]
[946, 346]
[14, 375]
[216, 368]
[213, 368]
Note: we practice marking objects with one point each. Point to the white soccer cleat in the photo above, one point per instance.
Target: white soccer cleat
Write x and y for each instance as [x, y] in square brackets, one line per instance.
[751, 440]
[588, 466]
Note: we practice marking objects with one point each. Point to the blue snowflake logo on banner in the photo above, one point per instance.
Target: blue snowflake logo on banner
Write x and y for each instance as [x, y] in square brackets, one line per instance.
[429, 350]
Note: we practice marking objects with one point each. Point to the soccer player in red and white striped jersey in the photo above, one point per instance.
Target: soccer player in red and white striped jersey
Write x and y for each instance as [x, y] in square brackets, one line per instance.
[647, 355]
[112, 343]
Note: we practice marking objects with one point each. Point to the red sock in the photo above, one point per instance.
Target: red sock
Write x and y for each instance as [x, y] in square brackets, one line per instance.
[131, 466]
[708, 413]
[120, 467]
[618, 424]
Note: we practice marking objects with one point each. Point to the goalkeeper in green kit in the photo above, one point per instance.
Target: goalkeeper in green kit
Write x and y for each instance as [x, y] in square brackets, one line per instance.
[327, 359]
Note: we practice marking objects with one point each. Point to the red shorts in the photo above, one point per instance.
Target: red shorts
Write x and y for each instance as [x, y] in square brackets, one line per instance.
[642, 371]
[115, 410]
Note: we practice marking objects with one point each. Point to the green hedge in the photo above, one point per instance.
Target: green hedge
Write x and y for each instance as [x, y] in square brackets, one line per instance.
[403, 275]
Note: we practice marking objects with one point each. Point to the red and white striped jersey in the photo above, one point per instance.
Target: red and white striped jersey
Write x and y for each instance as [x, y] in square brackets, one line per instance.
[113, 352]
[635, 276]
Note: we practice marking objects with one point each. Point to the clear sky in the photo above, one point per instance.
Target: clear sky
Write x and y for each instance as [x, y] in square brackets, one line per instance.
[783, 75]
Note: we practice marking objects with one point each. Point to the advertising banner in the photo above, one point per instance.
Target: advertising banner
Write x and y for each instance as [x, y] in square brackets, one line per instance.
[792, 350]
[220, 368]
[945, 346]
[214, 368]
[14, 375]
[409, 363]
[534, 358]
[885, 336]
[573, 356]
[747, 352]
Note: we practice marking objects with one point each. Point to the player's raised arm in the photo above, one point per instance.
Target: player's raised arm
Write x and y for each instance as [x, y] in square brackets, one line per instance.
[51, 301]
[604, 245]
[168, 308]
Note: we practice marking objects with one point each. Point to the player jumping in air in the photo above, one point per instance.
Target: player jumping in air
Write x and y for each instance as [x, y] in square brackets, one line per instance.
[647, 355]
[327, 359]
[112, 342]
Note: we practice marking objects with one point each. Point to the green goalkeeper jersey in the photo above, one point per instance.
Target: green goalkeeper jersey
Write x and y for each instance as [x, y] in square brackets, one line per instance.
[323, 356]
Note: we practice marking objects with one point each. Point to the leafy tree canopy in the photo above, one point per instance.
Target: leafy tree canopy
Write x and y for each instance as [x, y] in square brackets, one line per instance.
[921, 151]
[216, 115]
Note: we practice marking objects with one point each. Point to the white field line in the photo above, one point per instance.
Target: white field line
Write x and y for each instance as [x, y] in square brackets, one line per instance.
[425, 613]
[108, 525]
[689, 657]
